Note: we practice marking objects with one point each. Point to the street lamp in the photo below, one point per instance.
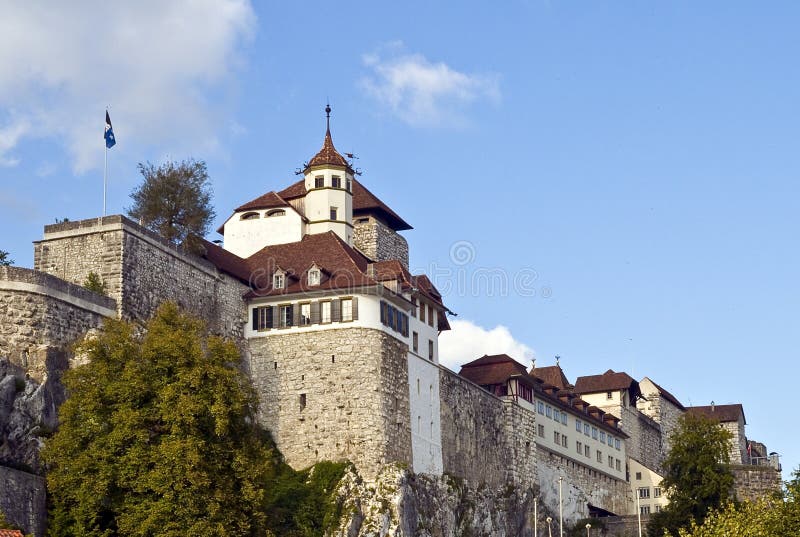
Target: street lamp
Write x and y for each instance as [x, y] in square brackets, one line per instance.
[549, 529]
[588, 529]
[535, 517]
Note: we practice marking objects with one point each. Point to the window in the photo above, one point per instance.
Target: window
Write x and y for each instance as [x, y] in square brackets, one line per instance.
[579, 446]
[540, 407]
[421, 311]
[556, 414]
[594, 433]
[305, 314]
[609, 395]
[285, 315]
[563, 418]
[599, 456]
[326, 311]
[278, 280]
[430, 315]
[548, 411]
[347, 309]
[644, 493]
[610, 440]
[602, 437]
[578, 425]
[430, 349]
[656, 492]
[586, 429]
[336, 181]
[540, 430]
[394, 318]
[557, 437]
[314, 276]
[302, 401]
[415, 342]
[349, 184]
[638, 476]
[616, 443]
[319, 181]
[658, 508]
[334, 212]
[644, 509]
[262, 318]
[587, 451]
[275, 212]
[617, 465]
[564, 440]
[611, 462]
[249, 216]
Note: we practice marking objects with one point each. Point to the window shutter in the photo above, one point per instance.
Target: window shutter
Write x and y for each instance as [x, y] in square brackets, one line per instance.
[355, 308]
[336, 310]
[290, 316]
[315, 315]
[296, 315]
[255, 318]
[270, 316]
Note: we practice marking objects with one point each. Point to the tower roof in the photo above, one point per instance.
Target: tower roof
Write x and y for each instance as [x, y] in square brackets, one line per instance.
[328, 156]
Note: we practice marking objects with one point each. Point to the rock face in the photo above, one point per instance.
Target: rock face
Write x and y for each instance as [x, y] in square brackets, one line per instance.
[402, 504]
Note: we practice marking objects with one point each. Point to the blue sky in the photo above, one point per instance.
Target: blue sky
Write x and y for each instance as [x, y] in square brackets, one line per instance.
[629, 168]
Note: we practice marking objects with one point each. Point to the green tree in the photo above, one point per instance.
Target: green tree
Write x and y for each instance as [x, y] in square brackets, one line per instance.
[174, 200]
[94, 283]
[5, 261]
[697, 474]
[776, 516]
[157, 437]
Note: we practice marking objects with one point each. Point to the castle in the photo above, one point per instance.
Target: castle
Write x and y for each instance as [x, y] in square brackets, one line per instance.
[341, 343]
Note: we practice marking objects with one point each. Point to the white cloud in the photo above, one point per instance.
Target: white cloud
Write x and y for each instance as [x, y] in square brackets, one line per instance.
[425, 93]
[466, 341]
[152, 62]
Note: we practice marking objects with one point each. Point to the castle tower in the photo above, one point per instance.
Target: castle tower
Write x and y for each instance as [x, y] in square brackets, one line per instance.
[329, 190]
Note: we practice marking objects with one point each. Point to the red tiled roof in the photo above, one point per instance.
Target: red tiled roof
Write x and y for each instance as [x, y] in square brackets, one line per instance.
[495, 369]
[392, 270]
[226, 261]
[426, 287]
[668, 396]
[11, 533]
[608, 381]
[328, 156]
[364, 203]
[267, 201]
[552, 374]
[721, 413]
[346, 266]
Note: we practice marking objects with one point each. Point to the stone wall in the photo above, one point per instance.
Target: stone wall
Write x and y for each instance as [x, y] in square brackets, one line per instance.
[581, 486]
[663, 412]
[753, 482]
[22, 500]
[379, 242]
[738, 445]
[38, 311]
[485, 439]
[154, 271]
[334, 395]
[645, 443]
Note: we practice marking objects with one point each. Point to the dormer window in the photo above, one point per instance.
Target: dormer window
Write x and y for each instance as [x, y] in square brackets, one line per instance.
[249, 216]
[275, 212]
[336, 181]
[313, 276]
[278, 280]
[319, 181]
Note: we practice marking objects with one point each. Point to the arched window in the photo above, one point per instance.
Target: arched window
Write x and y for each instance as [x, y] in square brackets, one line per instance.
[276, 212]
[249, 216]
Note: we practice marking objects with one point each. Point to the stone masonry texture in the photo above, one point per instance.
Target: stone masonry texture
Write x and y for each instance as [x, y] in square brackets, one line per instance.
[22, 499]
[379, 242]
[334, 395]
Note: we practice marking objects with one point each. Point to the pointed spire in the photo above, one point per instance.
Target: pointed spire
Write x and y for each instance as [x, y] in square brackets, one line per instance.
[328, 156]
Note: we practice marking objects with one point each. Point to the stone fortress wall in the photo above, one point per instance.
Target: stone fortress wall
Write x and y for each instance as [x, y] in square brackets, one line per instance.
[141, 271]
[335, 394]
[379, 242]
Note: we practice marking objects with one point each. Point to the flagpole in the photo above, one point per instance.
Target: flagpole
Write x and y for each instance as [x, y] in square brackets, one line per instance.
[105, 179]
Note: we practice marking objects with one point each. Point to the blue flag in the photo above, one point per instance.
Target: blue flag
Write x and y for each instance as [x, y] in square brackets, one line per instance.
[109, 135]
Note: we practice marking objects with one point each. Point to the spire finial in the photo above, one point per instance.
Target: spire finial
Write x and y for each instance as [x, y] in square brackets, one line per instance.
[328, 115]
[558, 360]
